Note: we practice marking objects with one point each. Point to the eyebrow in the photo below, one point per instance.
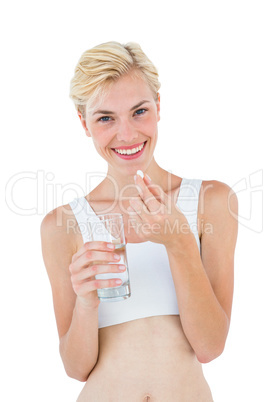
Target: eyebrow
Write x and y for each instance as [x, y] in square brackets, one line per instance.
[110, 112]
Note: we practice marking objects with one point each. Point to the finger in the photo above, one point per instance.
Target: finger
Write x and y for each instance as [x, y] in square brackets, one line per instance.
[93, 245]
[158, 193]
[132, 213]
[90, 272]
[147, 196]
[137, 208]
[92, 257]
[156, 190]
[147, 179]
[89, 286]
[135, 220]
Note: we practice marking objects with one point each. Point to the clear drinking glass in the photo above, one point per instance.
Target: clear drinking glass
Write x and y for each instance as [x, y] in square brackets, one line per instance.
[110, 228]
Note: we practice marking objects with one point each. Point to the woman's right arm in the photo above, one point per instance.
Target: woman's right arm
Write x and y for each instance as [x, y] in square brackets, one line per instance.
[74, 288]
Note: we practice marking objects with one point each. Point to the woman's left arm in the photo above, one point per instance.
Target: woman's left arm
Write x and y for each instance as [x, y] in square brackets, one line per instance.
[203, 283]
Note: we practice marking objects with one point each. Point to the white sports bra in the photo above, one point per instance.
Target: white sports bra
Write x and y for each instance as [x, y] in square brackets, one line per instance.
[152, 288]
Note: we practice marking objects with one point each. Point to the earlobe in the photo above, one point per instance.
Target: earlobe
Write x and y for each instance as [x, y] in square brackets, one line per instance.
[84, 124]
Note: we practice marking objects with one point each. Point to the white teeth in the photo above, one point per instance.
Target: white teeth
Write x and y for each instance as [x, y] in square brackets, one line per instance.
[130, 151]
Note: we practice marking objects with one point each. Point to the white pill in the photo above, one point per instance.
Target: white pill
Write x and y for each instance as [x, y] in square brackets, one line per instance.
[140, 173]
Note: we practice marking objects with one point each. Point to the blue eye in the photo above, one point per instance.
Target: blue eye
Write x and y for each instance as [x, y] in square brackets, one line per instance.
[104, 118]
[141, 111]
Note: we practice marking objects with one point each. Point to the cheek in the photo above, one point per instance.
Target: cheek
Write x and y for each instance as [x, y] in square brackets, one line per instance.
[102, 135]
[149, 126]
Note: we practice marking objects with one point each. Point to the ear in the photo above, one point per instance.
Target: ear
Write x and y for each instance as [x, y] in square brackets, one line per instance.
[84, 124]
[158, 106]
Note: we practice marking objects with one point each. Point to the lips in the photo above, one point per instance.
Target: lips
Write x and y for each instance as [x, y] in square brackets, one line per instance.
[129, 147]
[130, 152]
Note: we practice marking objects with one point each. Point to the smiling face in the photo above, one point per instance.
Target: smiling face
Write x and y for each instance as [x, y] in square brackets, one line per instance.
[123, 126]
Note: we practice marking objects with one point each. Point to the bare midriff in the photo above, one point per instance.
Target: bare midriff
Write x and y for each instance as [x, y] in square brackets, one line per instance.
[146, 360]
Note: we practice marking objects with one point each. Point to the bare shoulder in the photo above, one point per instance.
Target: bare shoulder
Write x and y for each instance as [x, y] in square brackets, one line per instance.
[217, 202]
[58, 229]
[216, 190]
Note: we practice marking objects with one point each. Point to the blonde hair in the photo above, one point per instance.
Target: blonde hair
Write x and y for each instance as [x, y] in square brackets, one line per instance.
[102, 65]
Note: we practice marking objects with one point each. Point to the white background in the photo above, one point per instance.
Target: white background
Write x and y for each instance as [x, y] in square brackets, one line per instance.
[212, 61]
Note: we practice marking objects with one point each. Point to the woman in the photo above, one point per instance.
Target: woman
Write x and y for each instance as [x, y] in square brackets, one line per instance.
[181, 238]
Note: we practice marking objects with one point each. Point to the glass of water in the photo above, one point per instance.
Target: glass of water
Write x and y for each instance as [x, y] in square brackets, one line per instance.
[110, 228]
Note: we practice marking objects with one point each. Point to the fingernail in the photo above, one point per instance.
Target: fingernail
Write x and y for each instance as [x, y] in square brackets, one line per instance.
[148, 177]
[110, 245]
[117, 257]
[140, 173]
[122, 267]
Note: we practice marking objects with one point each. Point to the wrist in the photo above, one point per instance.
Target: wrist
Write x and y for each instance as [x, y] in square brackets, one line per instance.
[87, 305]
[182, 244]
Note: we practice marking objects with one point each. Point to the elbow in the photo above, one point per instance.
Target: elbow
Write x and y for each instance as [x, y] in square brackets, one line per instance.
[206, 356]
[212, 349]
[77, 372]
[75, 369]
[76, 375]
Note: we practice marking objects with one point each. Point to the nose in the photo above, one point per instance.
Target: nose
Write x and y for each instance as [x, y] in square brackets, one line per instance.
[126, 132]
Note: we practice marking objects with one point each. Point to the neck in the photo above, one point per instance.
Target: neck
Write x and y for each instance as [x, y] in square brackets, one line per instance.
[120, 183]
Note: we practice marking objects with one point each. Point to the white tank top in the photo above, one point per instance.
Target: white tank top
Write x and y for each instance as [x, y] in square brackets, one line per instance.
[152, 288]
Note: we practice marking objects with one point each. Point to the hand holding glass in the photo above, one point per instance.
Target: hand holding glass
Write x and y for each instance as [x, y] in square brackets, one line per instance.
[110, 228]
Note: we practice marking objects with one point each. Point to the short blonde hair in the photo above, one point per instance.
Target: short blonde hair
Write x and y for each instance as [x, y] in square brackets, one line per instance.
[102, 65]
